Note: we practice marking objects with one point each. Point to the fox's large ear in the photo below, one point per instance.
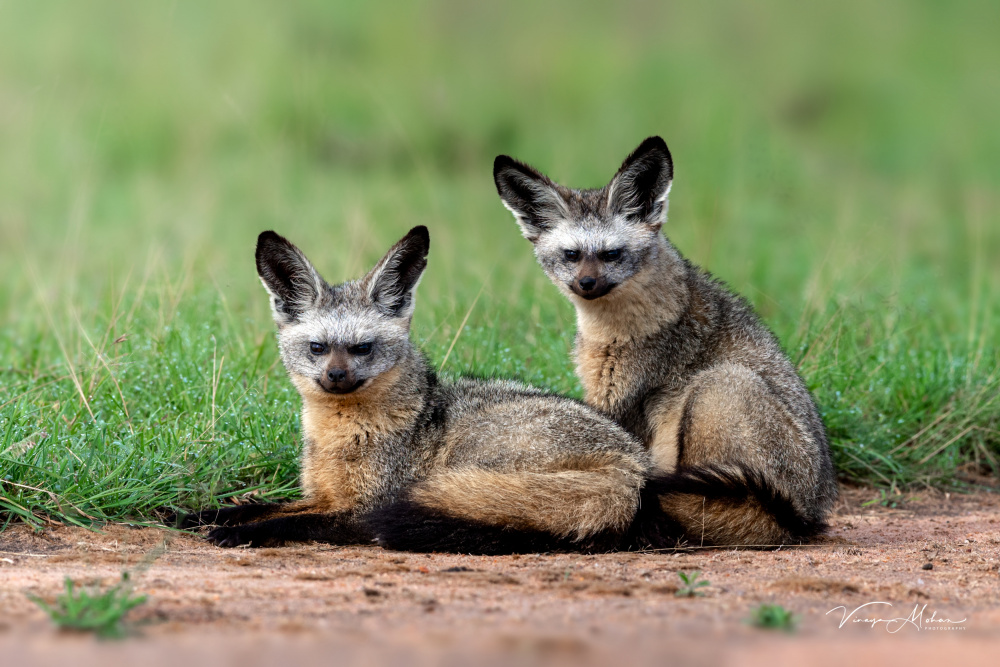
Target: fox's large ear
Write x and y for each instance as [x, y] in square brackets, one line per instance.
[534, 200]
[293, 283]
[639, 190]
[394, 279]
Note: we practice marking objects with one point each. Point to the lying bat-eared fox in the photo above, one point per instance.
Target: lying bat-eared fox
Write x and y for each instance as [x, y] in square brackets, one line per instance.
[739, 450]
[394, 456]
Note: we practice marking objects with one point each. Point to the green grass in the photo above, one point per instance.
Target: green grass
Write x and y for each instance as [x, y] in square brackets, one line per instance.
[837, 165]
[95, 610]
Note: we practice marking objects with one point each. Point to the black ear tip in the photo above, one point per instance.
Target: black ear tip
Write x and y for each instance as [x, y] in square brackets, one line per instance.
[267, 243]
[501, 162]
[655, 142]
[421, 234]
[271, 247]
[270, 238]
[420, 231]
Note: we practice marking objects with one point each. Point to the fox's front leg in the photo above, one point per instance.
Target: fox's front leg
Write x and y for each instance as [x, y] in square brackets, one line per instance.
[334, 528]
[235, 515]
[224, 516]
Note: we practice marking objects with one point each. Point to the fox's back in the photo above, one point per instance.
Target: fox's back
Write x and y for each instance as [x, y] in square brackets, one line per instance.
[503, 424]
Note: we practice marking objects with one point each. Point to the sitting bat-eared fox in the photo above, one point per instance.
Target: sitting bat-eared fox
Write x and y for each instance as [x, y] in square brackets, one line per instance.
[395, 456]
[739, 450]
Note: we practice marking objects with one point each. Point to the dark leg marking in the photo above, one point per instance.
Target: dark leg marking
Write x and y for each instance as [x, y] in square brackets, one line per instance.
[337, 528]
[231, 515]
[407, 526]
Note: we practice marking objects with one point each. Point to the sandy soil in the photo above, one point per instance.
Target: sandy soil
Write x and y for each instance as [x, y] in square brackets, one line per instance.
[318, 604]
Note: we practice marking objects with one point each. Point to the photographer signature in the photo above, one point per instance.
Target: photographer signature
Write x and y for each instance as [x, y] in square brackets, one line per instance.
[893, 625]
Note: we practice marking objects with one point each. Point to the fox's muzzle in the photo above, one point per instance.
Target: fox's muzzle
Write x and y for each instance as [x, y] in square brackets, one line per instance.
[589, 287]
[588, 281]
[339, 381]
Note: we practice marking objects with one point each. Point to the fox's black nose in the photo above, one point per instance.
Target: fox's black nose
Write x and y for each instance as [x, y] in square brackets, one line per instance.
[339, 381]
[587, 284]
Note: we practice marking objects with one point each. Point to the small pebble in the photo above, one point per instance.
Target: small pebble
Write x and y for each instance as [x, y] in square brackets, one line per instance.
[927, 566]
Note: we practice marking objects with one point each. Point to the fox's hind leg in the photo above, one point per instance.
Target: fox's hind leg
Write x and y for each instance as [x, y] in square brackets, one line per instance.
[583, 505]
[745, 472]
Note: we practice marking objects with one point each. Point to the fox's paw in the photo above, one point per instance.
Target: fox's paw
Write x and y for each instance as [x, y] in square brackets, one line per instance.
[230, 536]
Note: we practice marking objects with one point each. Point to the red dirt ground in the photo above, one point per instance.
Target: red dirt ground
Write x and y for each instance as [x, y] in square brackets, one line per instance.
[317, 604]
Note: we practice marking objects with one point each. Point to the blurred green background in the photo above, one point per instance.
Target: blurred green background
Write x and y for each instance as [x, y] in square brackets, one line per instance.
[837, 163]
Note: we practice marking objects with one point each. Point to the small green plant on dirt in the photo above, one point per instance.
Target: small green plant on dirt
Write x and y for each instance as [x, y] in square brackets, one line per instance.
[93, 610]
[892, 498]
[773, 617]
[692, 583]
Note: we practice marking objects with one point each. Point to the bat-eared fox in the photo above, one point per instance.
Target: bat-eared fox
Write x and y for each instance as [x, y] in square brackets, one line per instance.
[393, 455]
[739, 451]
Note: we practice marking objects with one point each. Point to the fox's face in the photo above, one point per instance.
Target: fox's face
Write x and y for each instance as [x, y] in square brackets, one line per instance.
[338, 339]
[591, 241]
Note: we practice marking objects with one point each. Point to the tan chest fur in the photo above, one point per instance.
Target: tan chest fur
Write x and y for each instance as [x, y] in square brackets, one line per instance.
[609, 327]
[606, 357]
[606, 379]
[599, 369]
[343, 435]
[608, 334]
[332, 466]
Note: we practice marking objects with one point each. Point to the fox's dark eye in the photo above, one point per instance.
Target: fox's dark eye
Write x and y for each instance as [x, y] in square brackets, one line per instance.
[571, 255]
[360, 350]
[317, 348]
[611, 255]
